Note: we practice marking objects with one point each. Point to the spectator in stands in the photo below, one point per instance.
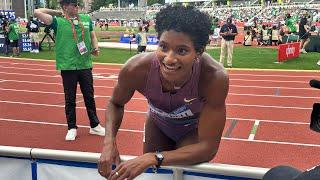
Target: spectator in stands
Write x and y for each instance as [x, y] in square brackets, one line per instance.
[228, 32]
[247, 39]
[275, 35]
[13, 36]
[265, 36]
[303, 33]
[186, 90]
[291, 24]
[33, 28]
[291, 173]
[141, 40]
[75, 42]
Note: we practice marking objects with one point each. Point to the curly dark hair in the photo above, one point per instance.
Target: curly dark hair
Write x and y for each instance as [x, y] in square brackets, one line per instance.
[188, 20]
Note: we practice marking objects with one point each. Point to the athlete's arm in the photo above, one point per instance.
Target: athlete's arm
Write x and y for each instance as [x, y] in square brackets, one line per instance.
[45, 15]
[131, 78]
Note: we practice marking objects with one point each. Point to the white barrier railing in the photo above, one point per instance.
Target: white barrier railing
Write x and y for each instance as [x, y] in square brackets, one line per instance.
[213, 170]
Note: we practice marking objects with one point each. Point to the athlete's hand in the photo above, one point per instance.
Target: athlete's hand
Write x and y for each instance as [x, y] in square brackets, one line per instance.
[132, 168]
[109, 156]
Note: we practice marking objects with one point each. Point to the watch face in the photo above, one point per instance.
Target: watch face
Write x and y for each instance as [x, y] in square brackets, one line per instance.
[159, 156]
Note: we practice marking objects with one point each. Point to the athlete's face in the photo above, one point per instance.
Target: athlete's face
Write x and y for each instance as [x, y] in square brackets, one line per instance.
[176, 54]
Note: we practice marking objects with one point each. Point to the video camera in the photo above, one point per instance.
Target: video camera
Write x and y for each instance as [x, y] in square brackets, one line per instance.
[315, 114]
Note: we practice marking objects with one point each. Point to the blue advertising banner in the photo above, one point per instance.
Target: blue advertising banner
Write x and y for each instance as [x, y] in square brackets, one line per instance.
[151, 39]
[24, 43]
[8, 14]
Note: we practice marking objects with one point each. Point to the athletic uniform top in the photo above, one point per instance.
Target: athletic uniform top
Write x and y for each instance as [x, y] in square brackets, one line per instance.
[176, 114]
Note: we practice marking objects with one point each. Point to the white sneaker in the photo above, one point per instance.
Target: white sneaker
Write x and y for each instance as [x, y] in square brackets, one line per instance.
[303, 51]
[98, 130]
[71, 135]
[36, 51]
[318, 63]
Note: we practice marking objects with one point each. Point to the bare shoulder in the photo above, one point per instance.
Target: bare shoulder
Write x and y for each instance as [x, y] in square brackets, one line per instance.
[214, 79]
[135, 70]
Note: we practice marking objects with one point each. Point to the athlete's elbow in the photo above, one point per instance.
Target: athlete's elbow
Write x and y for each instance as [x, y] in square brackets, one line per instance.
[209, 156]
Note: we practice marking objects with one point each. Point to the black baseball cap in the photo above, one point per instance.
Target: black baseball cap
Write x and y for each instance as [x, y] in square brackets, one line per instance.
[68, 1]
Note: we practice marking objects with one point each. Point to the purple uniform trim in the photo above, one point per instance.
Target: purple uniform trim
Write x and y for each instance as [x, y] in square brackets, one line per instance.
[175, 114]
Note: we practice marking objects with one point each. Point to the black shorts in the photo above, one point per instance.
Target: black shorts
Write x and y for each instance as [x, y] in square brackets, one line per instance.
[6, 41]
[142, 48]
[14, 43]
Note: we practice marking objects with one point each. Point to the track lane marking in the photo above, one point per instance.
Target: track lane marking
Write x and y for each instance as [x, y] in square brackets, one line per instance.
[254, 130]
[235, 94]
[60, 124]
[273, 142]
[240, 86]
[230, 104]
[230, 74]
[139, 131]
[245, 80]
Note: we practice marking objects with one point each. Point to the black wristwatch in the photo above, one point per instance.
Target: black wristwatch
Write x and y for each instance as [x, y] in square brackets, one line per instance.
[159, 157]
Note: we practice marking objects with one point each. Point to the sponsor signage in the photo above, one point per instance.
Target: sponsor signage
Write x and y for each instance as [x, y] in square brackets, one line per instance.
[288, 51]
[24, 42]
[151, 39]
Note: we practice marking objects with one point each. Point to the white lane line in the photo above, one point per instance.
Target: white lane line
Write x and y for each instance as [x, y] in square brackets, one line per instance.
[95, 75]
[273, 87]
[242, 105]
[268, 106]
[53, 65]
[273, 75]
[59, 124]
[267, 95]
[139, 131]
[269, 121]
[59, 93]
[273, 142]
[48, 83]
[62, 106]
[254, 130]
[240, 86]
[230, 74]
[235, 94]
[36, 75]
[268, 80]
[245, 80]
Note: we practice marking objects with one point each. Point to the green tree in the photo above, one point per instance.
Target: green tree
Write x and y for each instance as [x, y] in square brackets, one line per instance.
[150, 2]
[52, 4]
[96, 4]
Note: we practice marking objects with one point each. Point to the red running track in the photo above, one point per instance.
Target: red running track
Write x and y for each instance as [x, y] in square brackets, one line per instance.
[278, 102]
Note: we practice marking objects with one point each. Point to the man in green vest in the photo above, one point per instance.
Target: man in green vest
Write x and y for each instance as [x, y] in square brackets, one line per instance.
[75, 42]
[13, 36]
